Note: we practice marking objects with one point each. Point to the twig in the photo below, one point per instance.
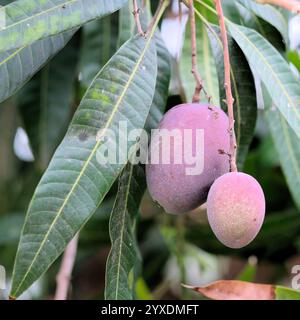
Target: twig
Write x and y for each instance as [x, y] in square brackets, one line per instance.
[291, 5]
[136, 14]
[198, 79]
[64, 275]
[227, 85]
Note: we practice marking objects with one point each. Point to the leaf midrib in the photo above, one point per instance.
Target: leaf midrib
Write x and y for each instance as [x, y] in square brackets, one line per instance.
[76, 183]
[12, 55]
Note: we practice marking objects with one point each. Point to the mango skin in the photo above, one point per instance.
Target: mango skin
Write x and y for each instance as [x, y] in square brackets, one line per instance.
[236, 209]
[168, 184]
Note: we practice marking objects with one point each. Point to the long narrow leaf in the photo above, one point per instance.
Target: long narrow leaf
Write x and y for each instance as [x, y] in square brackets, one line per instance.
[273, 71]
[75, 182]
[287, 144]
[19, 65]
[124, 254]
[30, 20]
[123, 262]
[268, 13]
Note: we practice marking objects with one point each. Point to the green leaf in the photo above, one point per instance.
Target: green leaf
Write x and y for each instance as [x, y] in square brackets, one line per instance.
[268, 13]
[126, 23]
[30, 20]
[273, 71]
[45, 103]
[250, 20]
[99, 43]
[294, 58]
[206, 66]
[287, 144]
[18, 66]
[284, 293]
[162, 85]
[75, 182]
[124, 257]
[124, 260]
[243, 90]
[143, 292]
[248, 272]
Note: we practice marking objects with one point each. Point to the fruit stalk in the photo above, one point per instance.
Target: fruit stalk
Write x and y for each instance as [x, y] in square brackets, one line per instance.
[136, 14]
[227, 85]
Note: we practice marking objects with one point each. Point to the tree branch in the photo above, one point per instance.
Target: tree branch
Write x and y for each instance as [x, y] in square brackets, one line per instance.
[65, 273]
[291, 5]
[198, 79]
[136, 14]
[227, 85]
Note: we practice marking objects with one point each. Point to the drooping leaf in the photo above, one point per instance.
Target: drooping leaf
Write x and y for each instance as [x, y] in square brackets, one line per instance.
[30, 20]
[45, 103]
[91, 231]
[19, 65]
[123, 264]
[77, 178]
[287, 145]
[243, 90]
[249, 19]
[241, 290]
[99, 43]
[273, 71]
[124, 255]
[268, 13]
[206, 65]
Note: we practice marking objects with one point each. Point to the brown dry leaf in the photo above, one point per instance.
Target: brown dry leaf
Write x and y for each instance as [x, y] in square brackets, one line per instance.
[236, 290]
